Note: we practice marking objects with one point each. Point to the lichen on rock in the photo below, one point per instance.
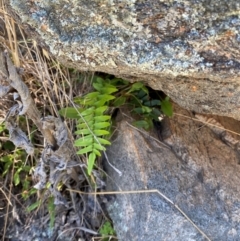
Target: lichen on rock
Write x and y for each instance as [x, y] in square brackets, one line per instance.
[189, 49]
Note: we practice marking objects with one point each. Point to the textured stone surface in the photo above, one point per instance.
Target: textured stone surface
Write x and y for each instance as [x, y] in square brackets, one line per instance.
[199, 173]
[187, 48]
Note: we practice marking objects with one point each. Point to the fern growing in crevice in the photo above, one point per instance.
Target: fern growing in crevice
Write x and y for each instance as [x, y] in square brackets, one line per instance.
[141, 102]
[93, 122]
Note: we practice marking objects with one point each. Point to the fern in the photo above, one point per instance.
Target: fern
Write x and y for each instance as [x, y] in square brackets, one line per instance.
[94, 123]
[145, 108]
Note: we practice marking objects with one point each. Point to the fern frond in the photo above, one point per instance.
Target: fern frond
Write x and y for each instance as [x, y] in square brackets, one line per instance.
[94, 123]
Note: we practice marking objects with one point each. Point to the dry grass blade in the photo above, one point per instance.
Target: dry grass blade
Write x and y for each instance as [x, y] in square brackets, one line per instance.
[11, 35]
[207, 123]
[8, 199]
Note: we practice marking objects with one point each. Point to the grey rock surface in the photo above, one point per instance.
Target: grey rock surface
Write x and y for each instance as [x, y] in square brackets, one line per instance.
[187, 48]
[196, 170]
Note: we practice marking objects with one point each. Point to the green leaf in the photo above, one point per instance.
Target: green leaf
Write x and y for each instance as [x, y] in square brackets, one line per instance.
[144, 88]
[98, 80]
[70, 112]
[85, 150]
[85, 125]
[86, 137]
[98, 86]
[87, 102]
[33, 206]
[16, 178]
[102, 118]
[88, 99]
[104, 88]
[119, 82]
[51, 210]
[156, 112]
[119, 101]
[7, 166]
[109, 85]
[84, 141]
[101, 132]
[104, 99]
[88, 111]
[106, 229]
[77, 99]
[146, 109]
[91, 98]
[2, 127]
[138, 110]
[91, 161]
[141, 124]
[96, 152]
[91, 95]
[85, 119]
[99, 147]
[83, 132]
[152, 103]
[143, 95]
[108, 90]
[26, 192]
[103, 141]
[166, 107]
[95, 132]
[100, 110]
[142, 110]
[136, 86]
[8, 158]
[101, 125]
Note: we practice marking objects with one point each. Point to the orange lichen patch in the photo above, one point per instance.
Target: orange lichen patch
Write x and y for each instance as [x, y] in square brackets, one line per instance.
[194, 88]
[44, 27]
[228, 34]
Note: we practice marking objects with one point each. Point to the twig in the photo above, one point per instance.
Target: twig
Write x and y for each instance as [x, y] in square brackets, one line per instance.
[8, 199]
